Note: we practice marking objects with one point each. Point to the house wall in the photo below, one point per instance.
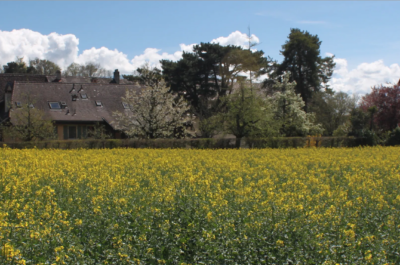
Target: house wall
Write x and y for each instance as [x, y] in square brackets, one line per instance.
[80, 131]
[60, 132]
[62, 128]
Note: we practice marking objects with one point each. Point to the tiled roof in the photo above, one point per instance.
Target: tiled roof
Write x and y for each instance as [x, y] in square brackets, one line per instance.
[10, 78]
[80, 110]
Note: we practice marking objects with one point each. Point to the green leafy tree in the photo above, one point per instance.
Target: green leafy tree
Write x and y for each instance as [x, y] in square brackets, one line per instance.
[99, 131]
[332, 109]
[42, 67]
[74, 69]
[18, 66]
[209, 73]
[288, 107]
[153, 112]
[359, 122]
[248, 114]
[29, 123]
[302, 58]
[88, 70]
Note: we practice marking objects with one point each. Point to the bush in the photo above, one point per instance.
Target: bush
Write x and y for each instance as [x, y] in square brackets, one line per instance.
[394, 137]
[208, 143]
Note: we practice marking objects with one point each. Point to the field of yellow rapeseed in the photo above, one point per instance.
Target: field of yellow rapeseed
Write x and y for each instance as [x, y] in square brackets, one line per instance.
[127, 206]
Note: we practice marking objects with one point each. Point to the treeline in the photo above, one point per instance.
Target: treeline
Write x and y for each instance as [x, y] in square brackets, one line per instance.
[46, 67]
[233, 90]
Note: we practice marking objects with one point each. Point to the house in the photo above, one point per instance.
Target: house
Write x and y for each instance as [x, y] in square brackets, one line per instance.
[74, 104]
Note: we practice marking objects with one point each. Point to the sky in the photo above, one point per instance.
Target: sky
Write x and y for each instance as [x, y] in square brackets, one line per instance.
[362, 35]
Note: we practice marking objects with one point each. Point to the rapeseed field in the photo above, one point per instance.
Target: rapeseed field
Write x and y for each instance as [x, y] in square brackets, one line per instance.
[142, 206]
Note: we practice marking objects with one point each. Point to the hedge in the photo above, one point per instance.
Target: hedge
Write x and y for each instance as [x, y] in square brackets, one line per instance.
[197, 143]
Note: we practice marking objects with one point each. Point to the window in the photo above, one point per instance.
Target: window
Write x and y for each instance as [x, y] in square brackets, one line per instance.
[98, 103]
[75, 132]
[126, 105]
[71, 132]
[63, 104]
[84, 96]
[54, 105]
[18, 103]
[74, 97]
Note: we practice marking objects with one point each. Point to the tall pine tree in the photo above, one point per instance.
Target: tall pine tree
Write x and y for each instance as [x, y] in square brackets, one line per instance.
[302, 58]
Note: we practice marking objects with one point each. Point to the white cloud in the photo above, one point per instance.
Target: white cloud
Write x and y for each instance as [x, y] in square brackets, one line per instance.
[237, 38]
[113, 59]
[363, 77]
[61, 49]
[153, 56]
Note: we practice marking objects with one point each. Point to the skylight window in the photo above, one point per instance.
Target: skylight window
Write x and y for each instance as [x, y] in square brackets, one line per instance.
[98, 103]
[18, 103]
[126, 105]
[84, 96]
[54, 105]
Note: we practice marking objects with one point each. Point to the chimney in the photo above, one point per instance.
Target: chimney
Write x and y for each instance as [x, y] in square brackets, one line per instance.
[58, 75]
[116, 76]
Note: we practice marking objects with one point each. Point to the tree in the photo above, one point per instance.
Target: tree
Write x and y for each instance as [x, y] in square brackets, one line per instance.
[209, 73]
[19, 66]
[99, 131]
[359, 122]
[74, 69]
[146, 77]
[248, 114]
[29, 123]
[302, 58]
[42, 67]
[332, 109]
[88, 70]
[386, 99]
[153, 112]
[133, 78]
[288, 108]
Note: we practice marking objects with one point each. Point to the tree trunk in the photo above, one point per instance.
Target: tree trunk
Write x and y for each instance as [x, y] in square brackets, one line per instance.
[238, 142]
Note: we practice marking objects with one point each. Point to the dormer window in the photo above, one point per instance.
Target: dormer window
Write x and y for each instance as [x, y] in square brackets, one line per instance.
[98, 103]
[54, 105]
[18, 104]
[126, 105]
[83, 96]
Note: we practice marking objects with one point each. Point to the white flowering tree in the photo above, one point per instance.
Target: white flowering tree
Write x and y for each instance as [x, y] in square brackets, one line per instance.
[289, 110]
[153, 112]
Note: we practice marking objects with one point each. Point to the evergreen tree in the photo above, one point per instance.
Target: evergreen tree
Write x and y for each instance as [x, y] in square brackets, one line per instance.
[302, 58]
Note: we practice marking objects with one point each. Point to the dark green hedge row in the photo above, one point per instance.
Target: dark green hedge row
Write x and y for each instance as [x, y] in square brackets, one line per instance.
[296, 142]
[200, 143]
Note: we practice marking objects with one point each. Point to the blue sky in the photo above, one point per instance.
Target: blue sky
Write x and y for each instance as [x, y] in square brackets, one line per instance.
[363, 36]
